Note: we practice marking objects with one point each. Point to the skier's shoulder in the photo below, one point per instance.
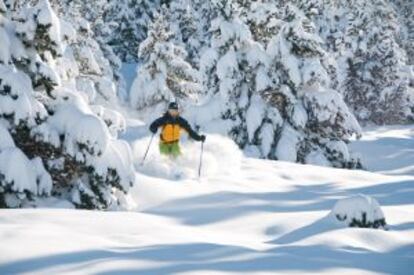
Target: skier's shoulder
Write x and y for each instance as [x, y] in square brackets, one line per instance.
[182, 121]
[160, 121]
[164, 117]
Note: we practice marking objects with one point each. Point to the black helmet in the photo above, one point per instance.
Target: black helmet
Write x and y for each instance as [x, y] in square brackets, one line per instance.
[173, 106]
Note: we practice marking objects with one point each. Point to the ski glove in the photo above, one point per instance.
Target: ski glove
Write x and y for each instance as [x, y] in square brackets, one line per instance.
[203, 138]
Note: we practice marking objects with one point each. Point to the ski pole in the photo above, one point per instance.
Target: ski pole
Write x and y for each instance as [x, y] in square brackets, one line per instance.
[201, 160]
[146, 152]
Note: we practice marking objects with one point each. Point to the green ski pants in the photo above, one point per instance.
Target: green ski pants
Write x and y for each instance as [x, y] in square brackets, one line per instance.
[170, 149]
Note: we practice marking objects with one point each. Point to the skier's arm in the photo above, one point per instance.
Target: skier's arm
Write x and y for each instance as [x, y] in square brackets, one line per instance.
[193, 134]
[156, 124]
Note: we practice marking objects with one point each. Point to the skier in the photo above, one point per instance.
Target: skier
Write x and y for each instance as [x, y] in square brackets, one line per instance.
[172, 124]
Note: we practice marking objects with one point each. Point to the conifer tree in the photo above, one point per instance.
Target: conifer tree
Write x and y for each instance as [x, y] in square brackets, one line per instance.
[278, 103]
[375, 87]
[127, 22]
[185, 26]
[317, 123]
[164, 75]
[58, 146]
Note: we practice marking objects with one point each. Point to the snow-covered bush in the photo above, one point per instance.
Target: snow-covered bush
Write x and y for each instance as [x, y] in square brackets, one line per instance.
[359, 211]
[52, 143]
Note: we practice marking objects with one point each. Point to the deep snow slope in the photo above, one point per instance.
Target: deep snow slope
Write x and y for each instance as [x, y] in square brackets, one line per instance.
[388, 149]
[243, 216]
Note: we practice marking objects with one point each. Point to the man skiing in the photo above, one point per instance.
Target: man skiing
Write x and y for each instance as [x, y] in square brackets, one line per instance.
[172, 124]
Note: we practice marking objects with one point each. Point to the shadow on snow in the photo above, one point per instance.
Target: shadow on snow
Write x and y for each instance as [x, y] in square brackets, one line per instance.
[220, 206]
[177, 258]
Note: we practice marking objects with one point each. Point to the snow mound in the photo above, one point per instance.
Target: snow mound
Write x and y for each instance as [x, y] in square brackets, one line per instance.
[359, 211]
[221, 156]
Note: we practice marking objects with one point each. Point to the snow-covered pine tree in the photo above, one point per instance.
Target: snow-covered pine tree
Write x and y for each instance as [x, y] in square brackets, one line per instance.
[98, 63]
[164, 74]
[38, 28]
[405, 13]
[80, 9]
[405, 10]
[57, 145]
[363, 36]
[330, 20]
[263, 19]
[229, 67]
[185, 24]
[18, 108]
[283, 109]
[376, 87]
[86, 67]
[316, 122]
[126, 24]
[202, 13]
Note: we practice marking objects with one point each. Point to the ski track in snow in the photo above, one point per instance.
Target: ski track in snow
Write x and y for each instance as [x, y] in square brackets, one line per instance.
[243, 216]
